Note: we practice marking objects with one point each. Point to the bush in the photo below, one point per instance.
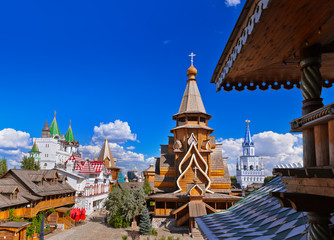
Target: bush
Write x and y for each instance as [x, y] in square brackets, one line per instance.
[118, 221]
[154, 232]
[124, 237]
[123, 205]
[170, 238]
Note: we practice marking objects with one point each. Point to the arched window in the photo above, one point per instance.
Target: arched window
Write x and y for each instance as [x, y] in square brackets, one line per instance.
[251, 167]
[245, 167]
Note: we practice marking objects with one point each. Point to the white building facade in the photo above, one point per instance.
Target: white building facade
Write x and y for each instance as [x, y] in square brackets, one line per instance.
[249, 168]
[91, 180]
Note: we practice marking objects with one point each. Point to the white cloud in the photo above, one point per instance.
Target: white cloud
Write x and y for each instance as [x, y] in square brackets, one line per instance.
[13, 144]
[14, 163]
[130, 147]
[231, 3]
[275, 149]
[150, 160]
[10, 139]
[118, 132]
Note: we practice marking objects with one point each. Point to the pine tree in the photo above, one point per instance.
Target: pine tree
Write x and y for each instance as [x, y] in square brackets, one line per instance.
[3, 166]
[145, 226]
[29, 163]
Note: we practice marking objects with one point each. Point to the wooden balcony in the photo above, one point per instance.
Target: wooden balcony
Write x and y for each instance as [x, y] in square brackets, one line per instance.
[45, 205]
[40, 206]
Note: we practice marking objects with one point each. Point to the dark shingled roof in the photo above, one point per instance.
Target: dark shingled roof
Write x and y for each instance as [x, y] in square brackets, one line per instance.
[27, 179]
[23, 195]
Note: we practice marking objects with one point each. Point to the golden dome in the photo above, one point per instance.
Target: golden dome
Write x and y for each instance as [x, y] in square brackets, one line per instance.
[192, 72]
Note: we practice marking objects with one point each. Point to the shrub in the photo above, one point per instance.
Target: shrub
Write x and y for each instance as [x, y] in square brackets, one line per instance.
[154, 232]
[124, 237]
[170, 238]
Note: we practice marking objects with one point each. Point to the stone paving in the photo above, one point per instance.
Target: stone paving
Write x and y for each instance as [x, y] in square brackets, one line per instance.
[95, 229]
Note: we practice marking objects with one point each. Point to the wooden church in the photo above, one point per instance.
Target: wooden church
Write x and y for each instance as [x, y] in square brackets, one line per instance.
[191, 176]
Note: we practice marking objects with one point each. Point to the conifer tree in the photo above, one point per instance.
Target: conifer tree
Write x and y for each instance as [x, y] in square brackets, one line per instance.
[3, 166]
[29, 163]
[145, 226]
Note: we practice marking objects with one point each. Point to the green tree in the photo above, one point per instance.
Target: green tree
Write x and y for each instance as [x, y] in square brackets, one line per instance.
[147, 187]
[145, 226]
[233, 179]
[3, 166]
[123, 205]
[268, 178]
[29, 163]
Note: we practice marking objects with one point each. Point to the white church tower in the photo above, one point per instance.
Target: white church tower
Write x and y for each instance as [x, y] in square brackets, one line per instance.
[249, 168]
[53, 148]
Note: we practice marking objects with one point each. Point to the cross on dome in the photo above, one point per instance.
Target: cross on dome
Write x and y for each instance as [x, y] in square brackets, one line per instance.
[192, 55]
[247, 121]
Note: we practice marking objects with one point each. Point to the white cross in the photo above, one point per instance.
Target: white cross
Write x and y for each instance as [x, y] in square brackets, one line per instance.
[192, 55]
[247, 121]
[195, 168]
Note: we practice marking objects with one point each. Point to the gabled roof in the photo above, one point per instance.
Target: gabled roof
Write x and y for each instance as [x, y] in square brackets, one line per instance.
[192, 100]
[29, 180]
[106, 153]
[69, 134]
[34, 148]
[54, 130]
[257, 216]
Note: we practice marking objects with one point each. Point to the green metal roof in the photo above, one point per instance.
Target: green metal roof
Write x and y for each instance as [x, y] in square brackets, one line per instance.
[54, 130]
[34, 149]
[69, 134]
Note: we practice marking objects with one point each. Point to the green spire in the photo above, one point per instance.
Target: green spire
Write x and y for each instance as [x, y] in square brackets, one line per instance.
[69, 134]
[34, 148]
[54, 130]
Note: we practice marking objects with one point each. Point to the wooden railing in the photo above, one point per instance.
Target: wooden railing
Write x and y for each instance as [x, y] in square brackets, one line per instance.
[163, 211]
[41, 206]
[53, 203]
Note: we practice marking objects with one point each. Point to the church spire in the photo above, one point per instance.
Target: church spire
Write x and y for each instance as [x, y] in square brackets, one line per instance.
[192, 100]
[105, 154]
[46, 130]
[248, 138]
[69, 134]
[54, 130]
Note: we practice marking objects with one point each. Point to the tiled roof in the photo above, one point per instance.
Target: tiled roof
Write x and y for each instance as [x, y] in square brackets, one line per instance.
[92, 167]
[257, 216]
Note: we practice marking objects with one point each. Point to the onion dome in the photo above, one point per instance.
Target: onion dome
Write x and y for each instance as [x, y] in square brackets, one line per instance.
[192, 72]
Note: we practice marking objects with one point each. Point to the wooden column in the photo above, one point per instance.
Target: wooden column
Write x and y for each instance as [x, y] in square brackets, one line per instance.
[308, 148]
[319, 226]
[331, 141]
[321, 145]
[165, 208]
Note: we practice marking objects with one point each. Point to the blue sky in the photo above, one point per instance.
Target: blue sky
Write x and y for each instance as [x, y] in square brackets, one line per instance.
[100, 61]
